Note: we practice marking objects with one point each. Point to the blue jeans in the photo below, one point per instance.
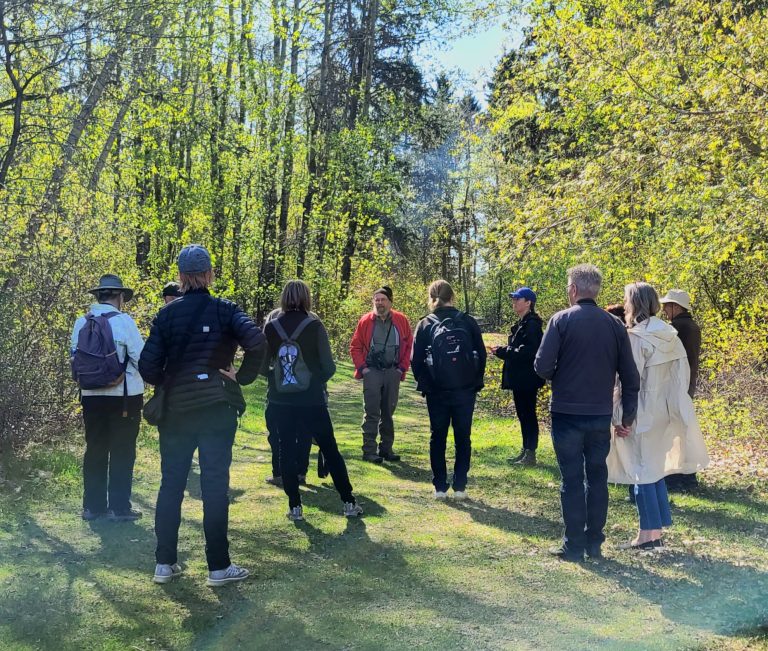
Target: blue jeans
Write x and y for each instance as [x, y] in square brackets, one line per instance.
[653, 505]
[448, 408]
[211, 431]
[581, 444]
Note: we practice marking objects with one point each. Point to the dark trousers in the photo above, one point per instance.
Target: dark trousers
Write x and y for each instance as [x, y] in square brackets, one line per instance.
[110, 452]
[581, 444]
[212, 432]
[525, 406]
[293, 425]
[448, 408]
[303, 447]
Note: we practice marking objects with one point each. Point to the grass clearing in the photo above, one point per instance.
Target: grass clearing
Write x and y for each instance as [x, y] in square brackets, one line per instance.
[412, 574]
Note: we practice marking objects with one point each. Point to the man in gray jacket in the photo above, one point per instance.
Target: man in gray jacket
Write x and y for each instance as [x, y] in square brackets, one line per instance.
[583, 349]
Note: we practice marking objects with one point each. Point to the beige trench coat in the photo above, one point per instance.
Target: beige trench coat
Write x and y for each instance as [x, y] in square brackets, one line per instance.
[666, 437]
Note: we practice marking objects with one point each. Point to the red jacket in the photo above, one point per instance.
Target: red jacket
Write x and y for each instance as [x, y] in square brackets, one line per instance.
[361, 341]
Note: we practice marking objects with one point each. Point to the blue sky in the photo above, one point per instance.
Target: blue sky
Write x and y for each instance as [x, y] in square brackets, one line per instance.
[471, 57]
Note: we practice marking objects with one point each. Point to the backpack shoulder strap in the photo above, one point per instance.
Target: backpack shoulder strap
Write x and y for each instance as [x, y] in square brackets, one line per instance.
[279, 329]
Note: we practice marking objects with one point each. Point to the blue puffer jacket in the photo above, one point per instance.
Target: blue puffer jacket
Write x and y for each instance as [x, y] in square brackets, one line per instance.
[212, 341]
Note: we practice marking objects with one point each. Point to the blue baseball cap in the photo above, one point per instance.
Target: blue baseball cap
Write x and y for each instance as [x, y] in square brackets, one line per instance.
[194, 259]
[525, 293]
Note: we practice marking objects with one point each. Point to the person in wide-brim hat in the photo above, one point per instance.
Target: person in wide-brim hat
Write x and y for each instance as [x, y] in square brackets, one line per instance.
[110, 282]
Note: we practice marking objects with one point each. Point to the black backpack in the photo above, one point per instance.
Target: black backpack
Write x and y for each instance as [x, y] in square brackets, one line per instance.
[290, 371]
[453, 359]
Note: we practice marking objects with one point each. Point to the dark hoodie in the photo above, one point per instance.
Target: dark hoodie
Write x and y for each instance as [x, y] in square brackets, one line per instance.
[519, 353]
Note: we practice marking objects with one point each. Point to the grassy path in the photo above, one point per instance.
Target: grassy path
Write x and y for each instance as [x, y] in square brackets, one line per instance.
[413, 574]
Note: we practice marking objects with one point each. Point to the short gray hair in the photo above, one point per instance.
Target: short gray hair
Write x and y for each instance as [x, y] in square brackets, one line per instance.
[587, 279]
[641, 302]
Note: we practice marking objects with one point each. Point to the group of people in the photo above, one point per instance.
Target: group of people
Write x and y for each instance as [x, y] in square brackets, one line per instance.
[633, 375]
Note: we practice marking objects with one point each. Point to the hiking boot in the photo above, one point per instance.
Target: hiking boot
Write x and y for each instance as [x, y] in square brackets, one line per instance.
[352, 510]
[440, 495]
[229, 575]
[528, 458]
[517, 457]
[295, 513]
[565, 554]
[594, 552]
[389, 456]
[165, 573]
[124, 516]
[88, 515]
[275, 480]
[459, 495]
[372, 458]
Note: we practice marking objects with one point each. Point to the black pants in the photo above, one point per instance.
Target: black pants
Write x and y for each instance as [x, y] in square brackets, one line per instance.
[582, 444]
[110, 452]
[210, 430]
[448, 408]
[525, 406]
[293, 425]
[303, 447]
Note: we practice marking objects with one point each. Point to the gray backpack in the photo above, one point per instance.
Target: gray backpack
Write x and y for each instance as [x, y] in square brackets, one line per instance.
[291, 373]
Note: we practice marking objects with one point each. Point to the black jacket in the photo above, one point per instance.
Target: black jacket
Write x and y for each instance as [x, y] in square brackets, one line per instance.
[519, 353]
[316, 351]
[422, 339]
[195, 380]
[690, 334]
[581, 352]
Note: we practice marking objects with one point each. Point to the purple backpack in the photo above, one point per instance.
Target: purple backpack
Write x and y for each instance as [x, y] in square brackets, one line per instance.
[95, 364]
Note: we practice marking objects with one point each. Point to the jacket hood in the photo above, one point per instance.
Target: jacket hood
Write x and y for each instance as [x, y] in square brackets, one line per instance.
[662, 336]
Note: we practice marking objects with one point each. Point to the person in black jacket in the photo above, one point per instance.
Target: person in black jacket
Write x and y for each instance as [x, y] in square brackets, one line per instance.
[298, 411]
[518, 374]
[189, 353]
[448, 402]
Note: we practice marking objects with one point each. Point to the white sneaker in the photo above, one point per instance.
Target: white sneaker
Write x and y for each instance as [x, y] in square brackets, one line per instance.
[352, 510]
[165, 573]
[228, 575]
[440, 495]
[296, 513]
[459, 495]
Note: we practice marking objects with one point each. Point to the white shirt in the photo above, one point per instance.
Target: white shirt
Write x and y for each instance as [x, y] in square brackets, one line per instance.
[127, 341]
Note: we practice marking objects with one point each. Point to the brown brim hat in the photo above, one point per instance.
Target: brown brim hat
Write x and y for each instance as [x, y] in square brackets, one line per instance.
[110, 282]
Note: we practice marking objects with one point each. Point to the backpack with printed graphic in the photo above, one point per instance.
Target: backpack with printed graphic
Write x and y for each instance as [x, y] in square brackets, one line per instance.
[453, 360]
[95, 364]
[290, 371]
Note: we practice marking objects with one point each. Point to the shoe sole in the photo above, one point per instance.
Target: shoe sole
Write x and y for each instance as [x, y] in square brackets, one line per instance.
[164, 579]
[213, 583]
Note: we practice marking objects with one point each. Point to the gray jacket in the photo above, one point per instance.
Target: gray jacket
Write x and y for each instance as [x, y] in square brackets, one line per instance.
[581, 352]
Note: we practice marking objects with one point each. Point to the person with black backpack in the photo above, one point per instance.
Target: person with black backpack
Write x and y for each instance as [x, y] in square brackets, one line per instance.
[448, 364]
[298, 366]
[105, 347]
[189, 356]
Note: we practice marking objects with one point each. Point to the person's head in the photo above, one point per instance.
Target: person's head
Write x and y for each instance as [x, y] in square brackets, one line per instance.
[641, 302]
[675, 303]
[439, 294]
[523, 301]
[382, 301]
[584, 281]
[296, 297]
[617, 309]
[111, 291]
[195, 269]
[171, 291]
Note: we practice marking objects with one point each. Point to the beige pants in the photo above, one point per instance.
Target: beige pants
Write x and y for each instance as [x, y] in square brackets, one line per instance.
[380, 393]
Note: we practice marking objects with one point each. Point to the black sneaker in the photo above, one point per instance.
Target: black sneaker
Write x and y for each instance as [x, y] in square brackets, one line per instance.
[275, 480]
[372, 458]
[389, 456]
[516, 458]
[594, 552]
[88, 515]
[565, 554]
[124, 516]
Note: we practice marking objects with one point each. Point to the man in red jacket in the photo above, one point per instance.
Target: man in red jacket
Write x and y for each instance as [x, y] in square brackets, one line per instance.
[381, 352]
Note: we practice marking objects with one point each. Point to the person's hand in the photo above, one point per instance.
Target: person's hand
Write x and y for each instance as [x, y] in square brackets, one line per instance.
[493, 349]
[229, 372]
[621, 431]
[365, 371]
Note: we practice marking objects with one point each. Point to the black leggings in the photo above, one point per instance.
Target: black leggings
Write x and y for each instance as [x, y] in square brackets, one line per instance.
[525, 406]
[294, 424]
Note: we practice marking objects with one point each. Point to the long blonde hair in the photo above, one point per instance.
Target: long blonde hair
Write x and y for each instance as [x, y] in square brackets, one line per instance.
[439, 294]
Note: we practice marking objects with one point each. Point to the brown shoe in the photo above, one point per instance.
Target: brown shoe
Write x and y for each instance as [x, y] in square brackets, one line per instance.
[528, 458]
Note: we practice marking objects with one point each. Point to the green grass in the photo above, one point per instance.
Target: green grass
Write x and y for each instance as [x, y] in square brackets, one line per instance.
[413, 574]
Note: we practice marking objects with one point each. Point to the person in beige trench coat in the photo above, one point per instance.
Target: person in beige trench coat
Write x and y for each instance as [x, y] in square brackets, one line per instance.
[666, 437]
